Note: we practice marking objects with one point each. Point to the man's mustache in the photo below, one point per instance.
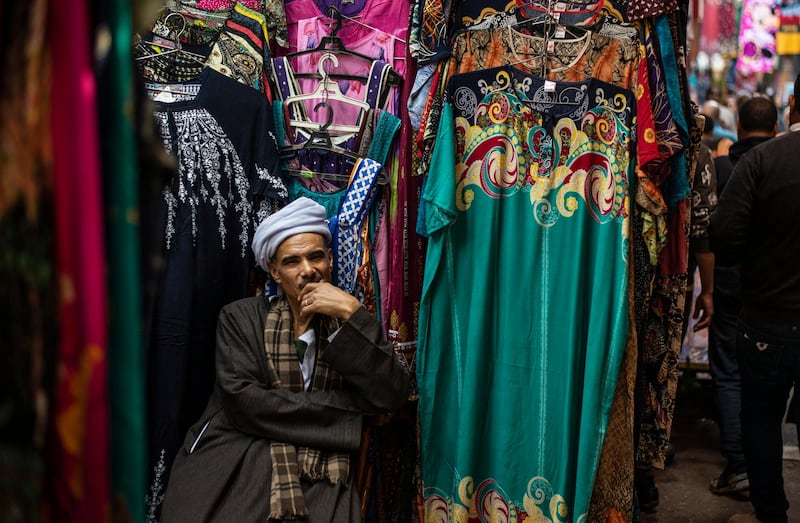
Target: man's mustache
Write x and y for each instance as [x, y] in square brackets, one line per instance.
[315, 278]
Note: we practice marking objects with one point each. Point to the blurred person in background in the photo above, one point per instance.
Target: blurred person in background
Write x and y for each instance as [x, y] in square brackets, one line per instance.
[757, 124]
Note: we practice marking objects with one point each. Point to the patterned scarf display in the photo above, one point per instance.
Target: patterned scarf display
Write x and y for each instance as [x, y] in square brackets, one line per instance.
[290, 463]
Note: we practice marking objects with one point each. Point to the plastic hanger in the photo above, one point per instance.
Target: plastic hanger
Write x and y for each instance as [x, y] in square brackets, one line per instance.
[327, 89]
[359, 22]
[321, 140]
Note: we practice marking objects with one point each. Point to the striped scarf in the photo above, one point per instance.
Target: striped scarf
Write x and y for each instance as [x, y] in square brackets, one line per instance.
[290, 463]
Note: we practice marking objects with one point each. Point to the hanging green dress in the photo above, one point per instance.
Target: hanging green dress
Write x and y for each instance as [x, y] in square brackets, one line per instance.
[524, 315]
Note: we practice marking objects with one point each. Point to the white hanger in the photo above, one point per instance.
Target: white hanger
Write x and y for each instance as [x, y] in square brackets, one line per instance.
[327, 90]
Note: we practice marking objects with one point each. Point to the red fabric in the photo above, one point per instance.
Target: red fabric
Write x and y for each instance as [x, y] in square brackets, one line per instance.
[79, 447]
[647, 143]
[675, 254]
[406, 248]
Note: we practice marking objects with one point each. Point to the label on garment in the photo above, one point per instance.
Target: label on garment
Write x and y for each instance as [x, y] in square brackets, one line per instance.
[165, 97]
[560, 7]
[551, 46]
[561, 32]
[549, 86]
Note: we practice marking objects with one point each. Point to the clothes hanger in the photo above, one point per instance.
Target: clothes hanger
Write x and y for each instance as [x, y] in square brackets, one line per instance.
[531, 9]
[321, 140]
[551, 21]
[166, 46]
[334, 44]
[327, 89]
[549, 45]
[359, 22]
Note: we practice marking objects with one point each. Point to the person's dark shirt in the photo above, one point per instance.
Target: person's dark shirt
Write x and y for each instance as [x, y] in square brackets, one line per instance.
[757, 225]
[725, 164]
[727, 289]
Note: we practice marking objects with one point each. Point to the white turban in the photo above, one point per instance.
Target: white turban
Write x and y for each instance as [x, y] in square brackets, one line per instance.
[302, 215]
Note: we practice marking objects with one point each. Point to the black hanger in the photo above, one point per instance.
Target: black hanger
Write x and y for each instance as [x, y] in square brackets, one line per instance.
[334, 44]
[321, 140]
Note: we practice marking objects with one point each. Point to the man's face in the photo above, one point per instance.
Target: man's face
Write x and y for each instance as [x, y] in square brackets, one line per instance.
[301, 259]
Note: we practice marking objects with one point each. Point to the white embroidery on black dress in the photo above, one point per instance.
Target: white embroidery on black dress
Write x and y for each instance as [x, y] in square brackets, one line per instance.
[163, 128]
[154, 499]
[206, 158]
[270, 205]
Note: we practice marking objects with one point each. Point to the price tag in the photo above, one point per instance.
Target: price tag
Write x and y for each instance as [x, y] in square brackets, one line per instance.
[560, 7]
[556, 16]
[549, 86]
[165, 97]
[561, 32]
[551, 46]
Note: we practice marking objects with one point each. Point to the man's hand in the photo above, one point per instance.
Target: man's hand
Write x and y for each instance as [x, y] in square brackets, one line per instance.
[325, 298]
[704, 305]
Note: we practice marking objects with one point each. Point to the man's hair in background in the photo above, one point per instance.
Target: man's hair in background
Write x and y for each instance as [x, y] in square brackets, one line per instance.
[758, 114]
[708, 126]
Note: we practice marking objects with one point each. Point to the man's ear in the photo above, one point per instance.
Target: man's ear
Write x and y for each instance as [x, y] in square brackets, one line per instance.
[791, 103]
[273, 271]
[330, 257]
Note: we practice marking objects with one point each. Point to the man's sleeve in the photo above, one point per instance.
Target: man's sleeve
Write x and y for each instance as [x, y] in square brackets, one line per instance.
[730, 223]
[318, 419]
[704, 200]
[368, 363]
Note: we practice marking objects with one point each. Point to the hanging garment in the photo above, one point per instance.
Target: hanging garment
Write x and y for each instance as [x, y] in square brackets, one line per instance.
[524, 313]
[574, 13]
[403, 282]
[641, 9]
[361, 20]
[226, 184]
[238, 50]
[375, 94]
[609, 59]
[242, 49]
[347, 224]
[272, 9]
[78, 467]
[429, 40]
[374, 43]
[660, 332]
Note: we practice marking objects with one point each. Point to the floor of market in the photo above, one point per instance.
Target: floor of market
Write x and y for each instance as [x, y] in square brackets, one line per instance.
[684, 496]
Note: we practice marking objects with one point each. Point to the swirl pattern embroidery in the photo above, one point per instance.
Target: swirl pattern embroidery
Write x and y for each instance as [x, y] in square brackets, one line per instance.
[488, 503]
[506, 150]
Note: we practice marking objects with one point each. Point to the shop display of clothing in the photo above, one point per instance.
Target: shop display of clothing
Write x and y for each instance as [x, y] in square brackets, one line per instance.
[238, 50]
[506, 184]
[514, 161]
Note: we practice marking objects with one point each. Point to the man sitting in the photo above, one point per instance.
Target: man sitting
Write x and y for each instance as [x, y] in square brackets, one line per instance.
[295, 374]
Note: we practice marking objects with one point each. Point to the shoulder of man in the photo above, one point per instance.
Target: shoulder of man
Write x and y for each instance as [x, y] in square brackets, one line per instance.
[247, 306]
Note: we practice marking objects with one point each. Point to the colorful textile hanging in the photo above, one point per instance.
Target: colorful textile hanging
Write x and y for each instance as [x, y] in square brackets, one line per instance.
[757, 37]
[126, 361]
[527, 207]
[80, 446]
